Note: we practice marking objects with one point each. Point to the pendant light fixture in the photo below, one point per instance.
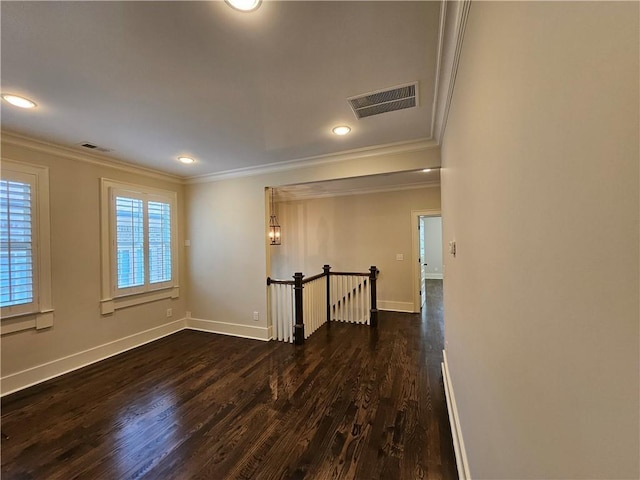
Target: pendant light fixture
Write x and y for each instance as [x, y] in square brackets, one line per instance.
[274, 228]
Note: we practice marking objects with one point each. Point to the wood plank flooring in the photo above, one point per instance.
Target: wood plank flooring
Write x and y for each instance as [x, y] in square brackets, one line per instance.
[352, 403]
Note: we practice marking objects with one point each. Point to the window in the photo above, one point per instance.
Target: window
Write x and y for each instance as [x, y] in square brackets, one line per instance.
[25, 264]
[16, 243]
[139, 245]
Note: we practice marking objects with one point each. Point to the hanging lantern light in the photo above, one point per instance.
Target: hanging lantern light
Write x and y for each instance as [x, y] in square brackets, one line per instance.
[274, 227]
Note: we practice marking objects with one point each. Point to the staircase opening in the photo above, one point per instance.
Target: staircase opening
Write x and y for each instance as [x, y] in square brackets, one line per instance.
[301, 306]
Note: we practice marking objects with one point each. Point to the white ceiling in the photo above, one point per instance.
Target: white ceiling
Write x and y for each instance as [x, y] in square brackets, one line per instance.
[154, 80]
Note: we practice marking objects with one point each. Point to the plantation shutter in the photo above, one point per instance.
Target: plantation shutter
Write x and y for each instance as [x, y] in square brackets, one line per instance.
[17, 246]
[130, 241]
[142, 241]
[159, 221]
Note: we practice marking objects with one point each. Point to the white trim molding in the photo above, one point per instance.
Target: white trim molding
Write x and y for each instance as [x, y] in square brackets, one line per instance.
[391, 306]
[453, 21]
[38, 320]
[37, 314]
[434, 276]
[289, 196]
[456, 432]
[109, 305]
[233, 329]
[12, 138]
[41, 373]
[366, 152]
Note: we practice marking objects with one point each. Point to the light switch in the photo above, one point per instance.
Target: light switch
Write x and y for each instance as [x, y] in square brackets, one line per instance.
[187, 243]
[399, 256]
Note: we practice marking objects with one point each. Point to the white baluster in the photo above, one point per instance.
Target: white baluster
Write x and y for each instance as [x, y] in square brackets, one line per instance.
[363, 301]
[367, 303]
[291, 315]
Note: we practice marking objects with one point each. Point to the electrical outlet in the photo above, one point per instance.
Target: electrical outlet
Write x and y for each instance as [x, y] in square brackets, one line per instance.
[256, 316]
[169, 312]
[187, 314]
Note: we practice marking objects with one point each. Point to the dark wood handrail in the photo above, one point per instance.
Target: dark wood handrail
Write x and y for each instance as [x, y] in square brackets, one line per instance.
[279, 282]
[351, 274]
[315, 277]
[319, 275]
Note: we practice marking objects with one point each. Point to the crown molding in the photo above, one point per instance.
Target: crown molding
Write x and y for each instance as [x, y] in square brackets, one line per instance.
[354, 191]
[449, 50]
[18, 140]
[436, 83]
[347, 155]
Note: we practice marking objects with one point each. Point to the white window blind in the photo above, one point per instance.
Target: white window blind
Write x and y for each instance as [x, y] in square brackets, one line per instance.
[16, 256]
[17, 225]
[159, 217]
[130, 241]
[142, 243]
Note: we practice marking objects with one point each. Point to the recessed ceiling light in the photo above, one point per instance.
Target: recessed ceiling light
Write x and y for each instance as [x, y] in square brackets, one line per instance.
[186, 159]
[18, 101]
[244, 5]
[426, 170]
[341, 130]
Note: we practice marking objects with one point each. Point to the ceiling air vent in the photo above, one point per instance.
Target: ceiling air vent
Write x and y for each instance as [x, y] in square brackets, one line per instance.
[387, 100]
[94, 147]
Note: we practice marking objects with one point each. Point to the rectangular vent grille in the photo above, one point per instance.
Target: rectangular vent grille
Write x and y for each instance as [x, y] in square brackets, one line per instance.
[382, 101]
[91, 146]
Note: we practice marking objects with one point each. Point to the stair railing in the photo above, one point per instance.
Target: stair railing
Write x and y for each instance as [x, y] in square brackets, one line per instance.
[300, 306]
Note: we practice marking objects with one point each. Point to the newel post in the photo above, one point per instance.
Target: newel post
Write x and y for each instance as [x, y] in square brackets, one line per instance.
[373, 275]
[298, 329]
[327, 274]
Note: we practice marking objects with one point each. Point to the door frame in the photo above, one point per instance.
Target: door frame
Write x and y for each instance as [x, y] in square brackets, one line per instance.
[415, 252]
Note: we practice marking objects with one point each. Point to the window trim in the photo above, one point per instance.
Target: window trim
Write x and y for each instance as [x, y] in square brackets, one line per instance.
[111, 298]
[41, 315]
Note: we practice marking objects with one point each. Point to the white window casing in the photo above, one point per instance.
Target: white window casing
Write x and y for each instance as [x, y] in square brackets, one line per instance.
[26, 248]
[139, 239]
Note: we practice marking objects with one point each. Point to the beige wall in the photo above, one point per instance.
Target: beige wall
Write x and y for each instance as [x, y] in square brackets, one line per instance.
[351, 233]
[540, 192]
[75, 262]
[228, 258]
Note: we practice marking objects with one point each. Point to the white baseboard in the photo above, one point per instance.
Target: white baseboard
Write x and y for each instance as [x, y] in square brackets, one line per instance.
[433, 276]
[391, 306]
[233, 329]
[40, 373]
[456, 432]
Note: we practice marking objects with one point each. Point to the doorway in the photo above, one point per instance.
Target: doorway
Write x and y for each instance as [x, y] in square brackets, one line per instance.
[430, 241]
[427, 253]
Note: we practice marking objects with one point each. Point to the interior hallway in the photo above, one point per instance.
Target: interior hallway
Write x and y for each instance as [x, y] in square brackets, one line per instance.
[353, 403]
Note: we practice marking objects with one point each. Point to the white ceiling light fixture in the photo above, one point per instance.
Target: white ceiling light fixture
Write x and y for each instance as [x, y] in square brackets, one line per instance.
[341, 130]
[244, 5]
[18, 101]
[186, 160]
[426, 170]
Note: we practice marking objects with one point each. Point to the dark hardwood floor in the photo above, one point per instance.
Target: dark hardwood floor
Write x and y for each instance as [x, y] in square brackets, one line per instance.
[352, 403]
